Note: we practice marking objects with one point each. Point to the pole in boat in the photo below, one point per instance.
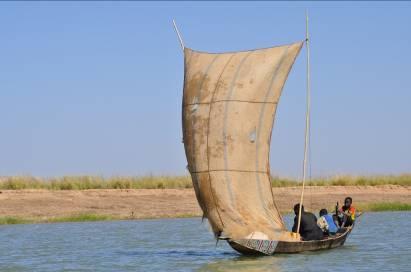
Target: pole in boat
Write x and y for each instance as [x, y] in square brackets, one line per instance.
[179, 35]
[307, 120]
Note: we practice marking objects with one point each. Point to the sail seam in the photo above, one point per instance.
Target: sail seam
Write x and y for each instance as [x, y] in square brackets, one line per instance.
[229, 100]
[260, 121]
[272, 125]
[189, 58]
[198, 96]
[224, 135]
[208, 132]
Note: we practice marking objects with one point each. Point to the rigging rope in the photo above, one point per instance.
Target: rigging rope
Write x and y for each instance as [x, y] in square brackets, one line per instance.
[309, 168]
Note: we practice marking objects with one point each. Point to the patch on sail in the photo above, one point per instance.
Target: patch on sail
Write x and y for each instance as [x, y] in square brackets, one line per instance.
[252, 136]
[194, 106]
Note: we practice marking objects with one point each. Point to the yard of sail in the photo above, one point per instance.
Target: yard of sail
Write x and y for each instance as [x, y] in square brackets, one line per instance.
[229, 105]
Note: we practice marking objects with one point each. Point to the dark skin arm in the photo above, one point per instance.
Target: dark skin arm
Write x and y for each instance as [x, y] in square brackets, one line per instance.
[295, 224]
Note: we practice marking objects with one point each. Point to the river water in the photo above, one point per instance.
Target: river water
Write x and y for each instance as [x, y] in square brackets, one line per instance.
[380, 242]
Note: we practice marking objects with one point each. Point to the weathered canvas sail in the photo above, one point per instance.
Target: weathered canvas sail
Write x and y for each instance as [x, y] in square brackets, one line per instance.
[229, 104]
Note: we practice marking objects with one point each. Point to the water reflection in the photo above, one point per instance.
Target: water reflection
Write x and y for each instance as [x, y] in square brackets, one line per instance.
[243, 263]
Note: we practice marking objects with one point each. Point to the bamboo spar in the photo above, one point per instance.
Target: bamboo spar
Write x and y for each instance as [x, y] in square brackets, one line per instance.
[179, 35]
[307, 120]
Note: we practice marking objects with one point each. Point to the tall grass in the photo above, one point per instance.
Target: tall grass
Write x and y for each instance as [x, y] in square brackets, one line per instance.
[177, 182]
[346, 180]
[94, 182]
[11, 220]
[385, 206]
[81, 217]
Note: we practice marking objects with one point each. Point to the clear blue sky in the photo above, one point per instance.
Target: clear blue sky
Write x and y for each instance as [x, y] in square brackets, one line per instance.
[95, 88]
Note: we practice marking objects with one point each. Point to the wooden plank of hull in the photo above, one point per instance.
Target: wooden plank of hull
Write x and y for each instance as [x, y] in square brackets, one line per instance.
[294, 247]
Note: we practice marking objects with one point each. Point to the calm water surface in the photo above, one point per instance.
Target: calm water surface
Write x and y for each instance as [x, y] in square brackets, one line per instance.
[380, 242]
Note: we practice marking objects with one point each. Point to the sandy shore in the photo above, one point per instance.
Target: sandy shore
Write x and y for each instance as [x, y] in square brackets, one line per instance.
[155, 203]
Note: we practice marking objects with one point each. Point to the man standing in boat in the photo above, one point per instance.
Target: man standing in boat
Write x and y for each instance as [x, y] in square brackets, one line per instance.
[309, 229]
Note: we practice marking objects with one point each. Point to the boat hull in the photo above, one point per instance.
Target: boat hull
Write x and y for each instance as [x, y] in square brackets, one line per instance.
[264, 247]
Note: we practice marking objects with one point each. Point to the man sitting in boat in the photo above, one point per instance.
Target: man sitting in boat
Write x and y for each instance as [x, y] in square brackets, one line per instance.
[309, 229]
[348, 212]
[326, 223]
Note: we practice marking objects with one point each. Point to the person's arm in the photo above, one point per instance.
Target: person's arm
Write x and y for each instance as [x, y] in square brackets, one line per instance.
[335, 219]
[295, 224]
[344, 220]
[321, 223]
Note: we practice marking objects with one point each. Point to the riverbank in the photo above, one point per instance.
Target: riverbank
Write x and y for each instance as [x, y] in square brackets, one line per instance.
[28, 206]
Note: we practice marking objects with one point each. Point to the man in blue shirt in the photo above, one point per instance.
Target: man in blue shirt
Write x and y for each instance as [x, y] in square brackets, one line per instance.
[326, 223]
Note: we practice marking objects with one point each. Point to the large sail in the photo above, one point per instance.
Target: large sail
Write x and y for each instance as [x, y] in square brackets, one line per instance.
[229, 105]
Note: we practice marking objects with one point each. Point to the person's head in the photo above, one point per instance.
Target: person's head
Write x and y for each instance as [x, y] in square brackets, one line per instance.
[323, 212]
[348, 202]
[297, 208]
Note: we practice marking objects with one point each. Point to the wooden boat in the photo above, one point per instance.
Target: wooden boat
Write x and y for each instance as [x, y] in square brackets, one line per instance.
[229, 105]
[259, 247]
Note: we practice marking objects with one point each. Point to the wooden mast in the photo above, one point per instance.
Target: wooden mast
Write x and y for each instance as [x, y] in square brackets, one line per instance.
[307, 120]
